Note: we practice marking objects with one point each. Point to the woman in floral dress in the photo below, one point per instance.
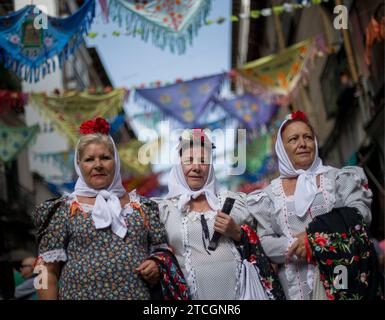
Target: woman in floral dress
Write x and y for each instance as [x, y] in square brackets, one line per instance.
[95, 242]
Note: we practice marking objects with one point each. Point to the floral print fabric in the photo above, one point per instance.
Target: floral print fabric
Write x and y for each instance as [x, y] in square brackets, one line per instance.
[340, 239]
[251, 249]
[172, 282]
[98, 264]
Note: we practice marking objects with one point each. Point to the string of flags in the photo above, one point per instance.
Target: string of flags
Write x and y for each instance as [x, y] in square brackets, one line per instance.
[168, 24]
[138, 31]
[278, 9]
[254, 14]
[186, 101]
[30, 52]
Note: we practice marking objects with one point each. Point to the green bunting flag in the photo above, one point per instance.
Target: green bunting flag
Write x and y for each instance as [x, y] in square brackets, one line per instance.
[14, 139]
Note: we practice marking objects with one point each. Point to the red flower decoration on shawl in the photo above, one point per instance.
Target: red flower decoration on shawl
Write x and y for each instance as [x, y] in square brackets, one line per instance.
[251, 234]
[98, 125]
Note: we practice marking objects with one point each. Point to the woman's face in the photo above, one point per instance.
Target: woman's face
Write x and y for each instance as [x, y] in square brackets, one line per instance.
[298, 140]
[195, 165]
[97, 165]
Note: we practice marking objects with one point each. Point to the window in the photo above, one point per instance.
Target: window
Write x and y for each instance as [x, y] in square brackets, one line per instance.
[6, 6]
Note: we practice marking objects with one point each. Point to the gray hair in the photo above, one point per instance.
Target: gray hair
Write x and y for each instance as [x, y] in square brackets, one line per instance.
[87, 139]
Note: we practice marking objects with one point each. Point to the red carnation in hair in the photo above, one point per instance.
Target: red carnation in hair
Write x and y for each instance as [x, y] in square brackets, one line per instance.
[299, 115]
[98, 125]
[199, 133]
[296, 116]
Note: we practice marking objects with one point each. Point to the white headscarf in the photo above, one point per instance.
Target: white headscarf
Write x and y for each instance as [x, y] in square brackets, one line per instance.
[178, 187]
[306, 188]
[107, 210]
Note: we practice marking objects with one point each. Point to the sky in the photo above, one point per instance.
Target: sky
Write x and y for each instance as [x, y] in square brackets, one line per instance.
[130, 61]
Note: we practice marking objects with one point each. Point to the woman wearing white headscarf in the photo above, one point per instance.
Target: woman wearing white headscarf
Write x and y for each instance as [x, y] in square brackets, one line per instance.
[96, 241]
[305, 189]
[191, 212]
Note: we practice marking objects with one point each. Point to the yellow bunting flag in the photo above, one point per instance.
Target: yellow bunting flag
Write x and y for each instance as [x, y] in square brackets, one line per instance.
[68, 110]
[279, 73]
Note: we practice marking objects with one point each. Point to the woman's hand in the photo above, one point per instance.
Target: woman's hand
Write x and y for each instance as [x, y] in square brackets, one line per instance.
[149, 271]
[52, 276]
[225, 224]
[298, 248]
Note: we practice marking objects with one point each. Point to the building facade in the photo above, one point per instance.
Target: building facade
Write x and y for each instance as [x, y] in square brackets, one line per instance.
[23, 182]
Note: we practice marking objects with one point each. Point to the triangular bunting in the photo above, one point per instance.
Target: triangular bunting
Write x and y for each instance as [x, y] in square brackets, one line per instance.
[257, 152]
[170, 24]
[116, 123]
[29, 50]
[14, 139]
[64, 161]
[249, 110]
[184, 101]
[60, 189]
[279, 73]
[129, 156]
[68, 110]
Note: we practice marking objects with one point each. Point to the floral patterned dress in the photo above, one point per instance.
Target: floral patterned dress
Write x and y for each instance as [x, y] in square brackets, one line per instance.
[97, 263]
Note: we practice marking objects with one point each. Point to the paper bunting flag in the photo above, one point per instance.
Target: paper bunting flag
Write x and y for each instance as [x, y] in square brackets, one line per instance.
[29, 39]
[11, 100]
[129, 156]
[169, 23]
[59, 189]
[68, 110]
[249, 110]
[254, 14]
[64, 161]
[269, 167]
[257, 152]
[116, 123]
[183, 101]
[14, 139]
[279, 73]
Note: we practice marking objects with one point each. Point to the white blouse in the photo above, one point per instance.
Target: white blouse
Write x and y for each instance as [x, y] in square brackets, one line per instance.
[278, 223]
[209, 274]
